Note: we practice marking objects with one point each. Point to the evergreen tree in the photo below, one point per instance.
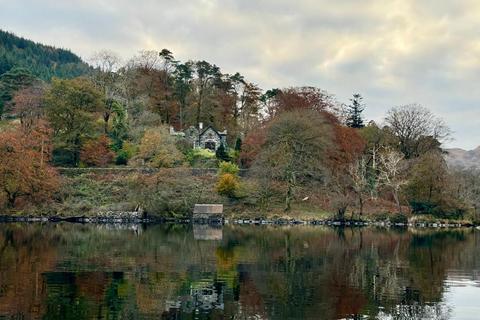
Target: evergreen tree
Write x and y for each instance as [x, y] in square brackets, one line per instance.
[222, 154]
[354, 117]
[238, 144]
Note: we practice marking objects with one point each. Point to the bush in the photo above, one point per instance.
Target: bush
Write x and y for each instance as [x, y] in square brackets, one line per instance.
[122, 158]
[228, 167]
[124, 154]
[201, 158]
[399, 218]
[228, 185]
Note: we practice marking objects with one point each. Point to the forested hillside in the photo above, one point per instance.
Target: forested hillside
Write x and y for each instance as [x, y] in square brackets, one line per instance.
[302, 149]
[42, 61]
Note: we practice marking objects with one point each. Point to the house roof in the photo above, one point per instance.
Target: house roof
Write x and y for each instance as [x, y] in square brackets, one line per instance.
[214, 130]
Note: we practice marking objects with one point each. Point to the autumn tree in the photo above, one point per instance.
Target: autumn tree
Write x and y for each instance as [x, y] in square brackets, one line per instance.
[295, 98]
[295, 150]
[24, 166]
[72, 106]
[207, 75]
[28, 104]
[183, 76]
[417, 129]
[96, 152]
[158, 149]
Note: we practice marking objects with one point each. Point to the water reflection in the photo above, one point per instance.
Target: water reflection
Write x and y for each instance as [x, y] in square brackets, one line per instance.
[67, 271]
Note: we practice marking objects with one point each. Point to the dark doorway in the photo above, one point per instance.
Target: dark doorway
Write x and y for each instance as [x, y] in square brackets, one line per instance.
[211, 145]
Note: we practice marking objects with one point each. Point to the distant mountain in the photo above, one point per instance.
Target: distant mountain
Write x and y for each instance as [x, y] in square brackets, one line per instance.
[42, 61]
[460, 158]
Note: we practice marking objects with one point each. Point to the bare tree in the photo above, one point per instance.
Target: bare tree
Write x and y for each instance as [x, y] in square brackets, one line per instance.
[358, 172]
[391, 170]
[417, 129]
[105, 78]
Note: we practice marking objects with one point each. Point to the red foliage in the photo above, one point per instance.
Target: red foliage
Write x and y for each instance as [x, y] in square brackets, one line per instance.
[251, 146]
[310, 98]
[97, 152]
[349, 146]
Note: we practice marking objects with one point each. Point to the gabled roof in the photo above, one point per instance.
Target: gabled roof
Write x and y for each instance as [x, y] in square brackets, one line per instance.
[214, 130]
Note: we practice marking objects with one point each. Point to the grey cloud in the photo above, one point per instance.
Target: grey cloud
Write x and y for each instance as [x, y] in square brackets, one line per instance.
[393, 52]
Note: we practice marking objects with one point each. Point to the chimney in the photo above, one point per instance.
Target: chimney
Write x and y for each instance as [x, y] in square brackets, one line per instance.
[200, 125]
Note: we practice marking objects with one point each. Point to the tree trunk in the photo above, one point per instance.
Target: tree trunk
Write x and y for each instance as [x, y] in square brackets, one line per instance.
[397, 201]
[106, 117]
[360, 200]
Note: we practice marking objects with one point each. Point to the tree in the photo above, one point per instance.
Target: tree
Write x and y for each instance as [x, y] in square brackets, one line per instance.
[417, 129]
[183, 86]
[431, 188]
[221, 153]
[96, 152]
[354, 112]
[358, 172]
[207, 76]
[12, 81]
[24, 166]
[28, 104]
[391, 170]
[104, 77]
[309, 98]
[295, 150]
[158, 149]
[238, 144]
[71, 107]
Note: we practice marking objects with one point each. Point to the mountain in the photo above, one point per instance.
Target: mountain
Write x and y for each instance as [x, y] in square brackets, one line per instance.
[460, 158]
[42, 61]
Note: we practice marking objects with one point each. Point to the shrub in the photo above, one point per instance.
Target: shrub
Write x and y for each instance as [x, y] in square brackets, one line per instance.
[124, 154]
[228, 185]
[228, 167]
[399, 218]
[203, 158]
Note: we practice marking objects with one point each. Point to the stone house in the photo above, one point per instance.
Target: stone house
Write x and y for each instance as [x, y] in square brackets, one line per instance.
[208, 138]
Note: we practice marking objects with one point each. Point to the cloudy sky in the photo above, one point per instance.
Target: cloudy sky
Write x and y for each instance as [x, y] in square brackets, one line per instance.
[393, 52]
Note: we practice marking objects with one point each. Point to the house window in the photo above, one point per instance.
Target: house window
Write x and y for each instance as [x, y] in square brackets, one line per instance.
[210, 145]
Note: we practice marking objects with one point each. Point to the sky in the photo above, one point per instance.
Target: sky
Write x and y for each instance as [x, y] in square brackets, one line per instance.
[393, 52]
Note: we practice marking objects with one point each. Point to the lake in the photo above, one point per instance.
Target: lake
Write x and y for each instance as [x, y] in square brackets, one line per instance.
[73, 271]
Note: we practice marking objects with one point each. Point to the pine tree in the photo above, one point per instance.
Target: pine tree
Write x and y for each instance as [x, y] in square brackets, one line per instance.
[354, 117]
[222, 154]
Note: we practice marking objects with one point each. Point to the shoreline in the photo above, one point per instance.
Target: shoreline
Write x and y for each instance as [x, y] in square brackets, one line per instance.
[228, 221]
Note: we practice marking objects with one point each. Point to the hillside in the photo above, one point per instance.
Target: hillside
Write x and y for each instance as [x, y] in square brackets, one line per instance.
[463, 159]
[42, 61]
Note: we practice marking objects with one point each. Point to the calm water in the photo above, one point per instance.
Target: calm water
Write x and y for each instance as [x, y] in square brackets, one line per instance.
[67, 271]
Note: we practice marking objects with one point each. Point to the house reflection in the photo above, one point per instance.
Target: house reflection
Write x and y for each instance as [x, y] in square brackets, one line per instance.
[204, 296]
[207, 232]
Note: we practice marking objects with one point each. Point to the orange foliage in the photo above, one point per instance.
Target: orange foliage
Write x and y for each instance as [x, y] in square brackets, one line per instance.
[97, 152]
[24, 168]
[349, 146]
